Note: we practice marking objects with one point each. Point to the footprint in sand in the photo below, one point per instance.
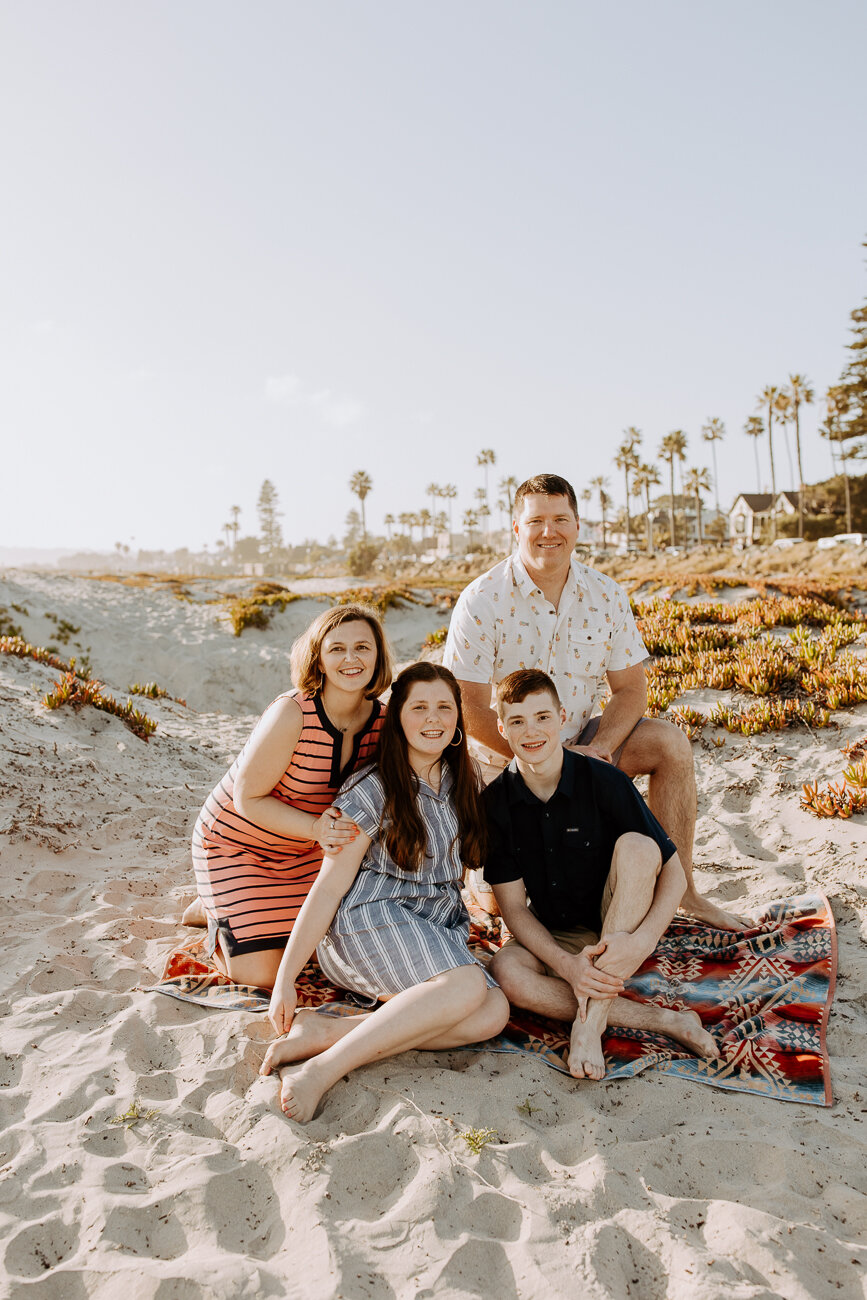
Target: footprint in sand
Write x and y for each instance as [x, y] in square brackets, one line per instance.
[40, 1247]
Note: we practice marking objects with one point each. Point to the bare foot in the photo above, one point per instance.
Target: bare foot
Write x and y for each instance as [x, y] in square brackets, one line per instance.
[301, 1092]
[309, 1035]
[686, 1028]
[195, 914]
[585, 1059]
[717, 917]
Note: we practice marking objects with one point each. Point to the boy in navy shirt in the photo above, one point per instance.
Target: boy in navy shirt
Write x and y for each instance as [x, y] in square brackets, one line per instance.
[571, 836]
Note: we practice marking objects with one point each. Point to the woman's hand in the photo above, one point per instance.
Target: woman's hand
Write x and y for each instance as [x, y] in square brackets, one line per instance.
[281, 1011]
[332, 831]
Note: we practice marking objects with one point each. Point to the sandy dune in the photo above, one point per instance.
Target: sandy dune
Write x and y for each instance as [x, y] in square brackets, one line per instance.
[646, 1188]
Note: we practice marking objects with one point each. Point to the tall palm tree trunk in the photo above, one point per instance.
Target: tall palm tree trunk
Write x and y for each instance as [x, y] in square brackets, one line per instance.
[800, 471]
[773, 472]
[671, 528]
[626, 477]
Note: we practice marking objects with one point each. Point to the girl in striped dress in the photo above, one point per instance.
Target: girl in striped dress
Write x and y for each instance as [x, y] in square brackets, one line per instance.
[387, 913]
[259, 839]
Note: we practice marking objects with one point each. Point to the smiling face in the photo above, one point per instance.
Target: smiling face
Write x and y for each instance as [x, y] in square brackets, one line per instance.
[547, 530]
[532, 727]
[428, 718]
[347, 657]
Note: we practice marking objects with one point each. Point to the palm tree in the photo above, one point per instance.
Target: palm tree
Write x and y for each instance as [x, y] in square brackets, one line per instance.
[360, 484]
[713, 431]
[405, 519]
[768, 397]
[644, 478]
[697, 481]
[627, 460]
[672, 448]
[485, 458]
[837, 406]
[482, 508]
[508, 486]
[425, 519]
[235, 512]
[600, 483]
[448, 492]
[389, 524]
[432, 490]
[471, 521]
[798, 392]
[755, 429]
[783, 409]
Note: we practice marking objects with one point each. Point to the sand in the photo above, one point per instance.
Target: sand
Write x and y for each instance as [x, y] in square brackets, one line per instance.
[647, 1187]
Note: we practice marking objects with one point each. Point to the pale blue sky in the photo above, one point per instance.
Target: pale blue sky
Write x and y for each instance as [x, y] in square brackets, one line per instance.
[295, 240]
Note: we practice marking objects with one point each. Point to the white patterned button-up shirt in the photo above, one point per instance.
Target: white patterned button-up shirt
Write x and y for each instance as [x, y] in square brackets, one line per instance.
[502, 621]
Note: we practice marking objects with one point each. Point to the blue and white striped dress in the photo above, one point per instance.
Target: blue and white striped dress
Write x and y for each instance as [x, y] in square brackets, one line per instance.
[396, 928]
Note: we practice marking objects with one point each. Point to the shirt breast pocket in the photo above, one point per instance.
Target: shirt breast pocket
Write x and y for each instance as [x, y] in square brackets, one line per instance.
[590, 653]
[577, 841]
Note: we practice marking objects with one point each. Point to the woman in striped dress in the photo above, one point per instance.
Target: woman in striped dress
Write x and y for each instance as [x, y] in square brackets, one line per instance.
[387, 913]
[259, 839]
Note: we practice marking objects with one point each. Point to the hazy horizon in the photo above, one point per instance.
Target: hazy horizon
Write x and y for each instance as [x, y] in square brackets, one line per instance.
[298, 241]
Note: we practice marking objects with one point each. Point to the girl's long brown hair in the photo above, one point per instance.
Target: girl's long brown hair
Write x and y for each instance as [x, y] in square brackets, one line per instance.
[403, 828]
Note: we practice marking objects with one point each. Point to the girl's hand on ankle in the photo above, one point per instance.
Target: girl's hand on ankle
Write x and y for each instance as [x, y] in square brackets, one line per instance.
[281, 1010]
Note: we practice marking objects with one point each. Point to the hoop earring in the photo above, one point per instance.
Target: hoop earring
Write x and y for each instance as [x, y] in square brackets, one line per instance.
[454, 743]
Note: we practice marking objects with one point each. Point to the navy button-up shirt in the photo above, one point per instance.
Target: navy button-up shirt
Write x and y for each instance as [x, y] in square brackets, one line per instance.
[562, 849]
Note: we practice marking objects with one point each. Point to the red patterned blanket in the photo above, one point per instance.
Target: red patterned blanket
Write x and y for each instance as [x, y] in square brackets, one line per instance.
[764, 993]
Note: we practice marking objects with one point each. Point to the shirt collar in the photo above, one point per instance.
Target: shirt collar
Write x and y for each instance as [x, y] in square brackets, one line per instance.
[525, 584]
[519, 792]
[446, 783]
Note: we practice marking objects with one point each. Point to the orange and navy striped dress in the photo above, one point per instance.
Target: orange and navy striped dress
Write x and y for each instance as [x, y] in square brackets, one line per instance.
[252, 881]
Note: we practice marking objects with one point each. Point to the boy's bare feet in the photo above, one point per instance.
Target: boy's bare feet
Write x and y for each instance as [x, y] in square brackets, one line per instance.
[686, 1028]
[195, 914]
[301, 1092]
[585, 1058]
[310, 1034]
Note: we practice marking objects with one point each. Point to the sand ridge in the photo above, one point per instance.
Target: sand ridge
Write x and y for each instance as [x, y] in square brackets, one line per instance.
[648, 1187]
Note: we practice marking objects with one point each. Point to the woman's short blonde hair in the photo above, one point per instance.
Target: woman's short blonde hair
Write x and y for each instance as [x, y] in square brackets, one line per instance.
[306, 650]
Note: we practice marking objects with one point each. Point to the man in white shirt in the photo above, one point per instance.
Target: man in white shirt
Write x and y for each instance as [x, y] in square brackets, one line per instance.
[541, 608]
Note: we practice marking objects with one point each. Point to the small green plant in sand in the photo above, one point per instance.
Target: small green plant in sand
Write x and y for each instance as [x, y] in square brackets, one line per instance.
[77, 693]
[7, 627]
[436, 638]
[477, 1138]
[64, 630]
[133, 1115]
[800, 678]
[152, 691]
[258, 608]
[526, 1108]
[850, 796]
[21, 649]
[379, 599]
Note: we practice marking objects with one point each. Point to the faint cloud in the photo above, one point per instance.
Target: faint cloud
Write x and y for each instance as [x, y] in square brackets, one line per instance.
[286, 389]
[339, 412]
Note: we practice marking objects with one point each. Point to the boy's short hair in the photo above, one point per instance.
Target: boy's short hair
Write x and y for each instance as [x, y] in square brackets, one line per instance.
[515, 688]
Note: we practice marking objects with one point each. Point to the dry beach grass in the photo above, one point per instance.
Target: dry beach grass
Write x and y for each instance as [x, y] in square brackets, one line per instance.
[142, 1155]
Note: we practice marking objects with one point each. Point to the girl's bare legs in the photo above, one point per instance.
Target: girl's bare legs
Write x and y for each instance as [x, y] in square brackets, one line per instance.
[256, 968]
[447, 1011]
[312, 1033]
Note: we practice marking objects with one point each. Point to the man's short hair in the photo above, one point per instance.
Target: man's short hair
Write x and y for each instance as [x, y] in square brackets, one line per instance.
[549, 485]
[515, 688]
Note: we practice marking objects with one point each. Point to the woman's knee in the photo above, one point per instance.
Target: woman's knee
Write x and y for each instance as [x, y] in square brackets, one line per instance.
[496, 1012]
[467, 989]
